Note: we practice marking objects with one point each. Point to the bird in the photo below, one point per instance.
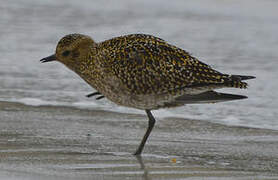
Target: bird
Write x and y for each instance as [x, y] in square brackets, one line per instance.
[144, 72]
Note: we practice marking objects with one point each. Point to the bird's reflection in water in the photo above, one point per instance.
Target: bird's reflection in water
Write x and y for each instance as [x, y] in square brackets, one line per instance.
[146, 175]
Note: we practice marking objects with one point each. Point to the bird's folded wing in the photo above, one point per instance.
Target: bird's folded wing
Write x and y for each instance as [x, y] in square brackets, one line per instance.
[207, 97]
[146, 64]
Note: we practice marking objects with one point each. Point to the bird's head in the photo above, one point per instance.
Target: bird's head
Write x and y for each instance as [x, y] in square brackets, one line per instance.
[71, 50]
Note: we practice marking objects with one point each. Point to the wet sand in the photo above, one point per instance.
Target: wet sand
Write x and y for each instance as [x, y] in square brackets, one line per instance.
[48, 142]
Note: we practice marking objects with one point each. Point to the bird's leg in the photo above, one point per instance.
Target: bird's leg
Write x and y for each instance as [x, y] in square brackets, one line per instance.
[95, 93]
[100, 97]
[148, 132]
[92, 94]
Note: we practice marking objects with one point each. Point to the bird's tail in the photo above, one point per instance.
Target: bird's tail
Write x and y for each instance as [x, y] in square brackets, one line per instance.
[236, 81]
[240, 77]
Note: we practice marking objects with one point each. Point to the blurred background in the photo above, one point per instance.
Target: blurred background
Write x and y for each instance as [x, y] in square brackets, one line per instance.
[234, 36]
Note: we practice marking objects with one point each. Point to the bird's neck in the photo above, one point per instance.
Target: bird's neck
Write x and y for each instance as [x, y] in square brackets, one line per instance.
[85, 66]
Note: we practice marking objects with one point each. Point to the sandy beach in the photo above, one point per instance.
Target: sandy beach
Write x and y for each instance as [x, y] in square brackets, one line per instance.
[66, 143]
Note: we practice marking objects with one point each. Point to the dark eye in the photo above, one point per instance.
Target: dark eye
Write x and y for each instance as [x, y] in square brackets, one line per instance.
[66, 53]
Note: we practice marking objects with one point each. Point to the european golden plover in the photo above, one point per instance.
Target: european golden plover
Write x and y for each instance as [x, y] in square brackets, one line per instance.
[144, 72]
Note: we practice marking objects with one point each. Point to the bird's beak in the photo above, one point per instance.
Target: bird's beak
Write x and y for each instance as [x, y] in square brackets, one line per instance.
[48, 58]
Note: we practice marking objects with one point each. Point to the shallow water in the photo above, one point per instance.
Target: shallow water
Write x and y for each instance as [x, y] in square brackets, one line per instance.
[238, 37]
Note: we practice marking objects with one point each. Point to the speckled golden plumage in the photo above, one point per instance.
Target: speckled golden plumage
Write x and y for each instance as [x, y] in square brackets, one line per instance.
[144, 72]
[149, 65]
[140, 71]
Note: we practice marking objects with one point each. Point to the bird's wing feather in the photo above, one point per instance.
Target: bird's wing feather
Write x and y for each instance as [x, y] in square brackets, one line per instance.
[146, 65]
[207, 97]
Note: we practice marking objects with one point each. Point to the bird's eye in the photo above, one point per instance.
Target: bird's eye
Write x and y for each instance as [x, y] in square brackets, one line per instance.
[66, 53]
